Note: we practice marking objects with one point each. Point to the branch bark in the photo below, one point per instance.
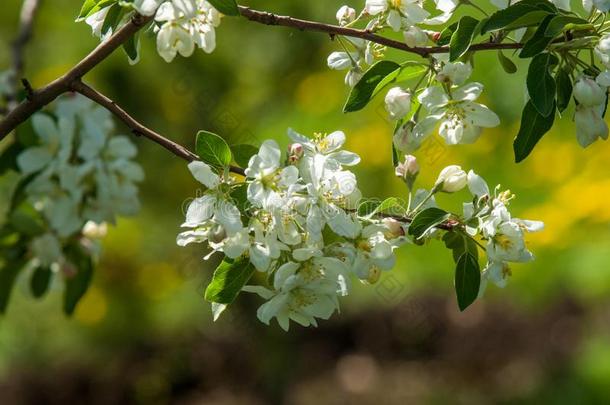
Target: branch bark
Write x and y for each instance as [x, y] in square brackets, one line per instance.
[263, 17]
[136, 127]
[42, 97]
[26, 25]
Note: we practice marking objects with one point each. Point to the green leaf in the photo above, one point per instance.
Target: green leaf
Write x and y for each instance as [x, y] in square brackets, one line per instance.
[213, 150]
[564, 89]
[93, 6]
[229, 278]
[242, 154]
[363, 91]
[460, 243]
[467, 280]
[8, 274]
[533, 128]
[427, 219]
[507, 64]
[406, 71]
[560, 23]
[40, 281]
[521, 14]
[391, 206]
[226, 7]
[462, 37]
[368, 208]
[113, 17]
[132, 48]
[77, 284]
[85, 10]
[538, 42]
[541, 85]
[446, 34]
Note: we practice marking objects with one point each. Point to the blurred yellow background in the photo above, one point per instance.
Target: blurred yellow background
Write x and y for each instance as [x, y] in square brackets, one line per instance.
[143, 333]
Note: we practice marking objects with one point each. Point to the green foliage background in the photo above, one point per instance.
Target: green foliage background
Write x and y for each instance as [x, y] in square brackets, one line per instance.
[144, 334]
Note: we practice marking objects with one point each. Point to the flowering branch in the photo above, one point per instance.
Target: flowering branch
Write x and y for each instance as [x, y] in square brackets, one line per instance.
[136, 127]
[42, 97]
[267, 18]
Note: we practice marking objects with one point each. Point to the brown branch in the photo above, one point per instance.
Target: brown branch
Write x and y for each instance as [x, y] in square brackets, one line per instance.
[136, 127]
[266, 18]
[42, 97]
[26, 25]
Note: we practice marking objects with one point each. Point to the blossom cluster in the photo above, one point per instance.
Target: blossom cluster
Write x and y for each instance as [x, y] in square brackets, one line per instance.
[302, 224]
[180, 25]
[442, 89]
[79, 177]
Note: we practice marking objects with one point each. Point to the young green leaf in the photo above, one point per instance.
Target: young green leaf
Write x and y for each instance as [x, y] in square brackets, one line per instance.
[462, 37]
[460, 243]
[522, 14]
[226, 7]
[467, 280]
[242, 154]
[541, 85]
[391, 206]
[78, 284]
[560, 23]
[538, 42]
[564, 89]
[363, 91]
[368, 208]
[427, 219]
[228, 280]
[93, 6]
[132, 48]
[446, 34]
[507, 64]
[213, 150]
[39, 283]
[113, 17]
[533, 127]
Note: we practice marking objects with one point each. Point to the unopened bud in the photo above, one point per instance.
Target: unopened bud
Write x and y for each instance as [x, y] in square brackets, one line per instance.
[346, 15]
[394, 228]
[295, 149]
[408, 170]
[93, 230]
[451, 179]
[398, 103]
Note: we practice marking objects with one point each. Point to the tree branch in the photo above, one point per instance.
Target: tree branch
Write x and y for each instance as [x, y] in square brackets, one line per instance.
[266, 18]
[26, 25]
[42, 97]
[136, 127]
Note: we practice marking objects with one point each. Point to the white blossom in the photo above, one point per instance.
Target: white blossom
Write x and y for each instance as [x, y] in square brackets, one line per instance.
[397, 103]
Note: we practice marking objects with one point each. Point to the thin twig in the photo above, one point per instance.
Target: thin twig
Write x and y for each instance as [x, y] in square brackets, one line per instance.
[266, 18]
[50, 92]
[26, 25]
[136, 127]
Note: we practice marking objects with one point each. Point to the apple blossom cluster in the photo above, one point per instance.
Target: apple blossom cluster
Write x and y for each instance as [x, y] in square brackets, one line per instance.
[450, 101]
[180, 25]
[300, 221]
[440, 87]
[78, 177]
